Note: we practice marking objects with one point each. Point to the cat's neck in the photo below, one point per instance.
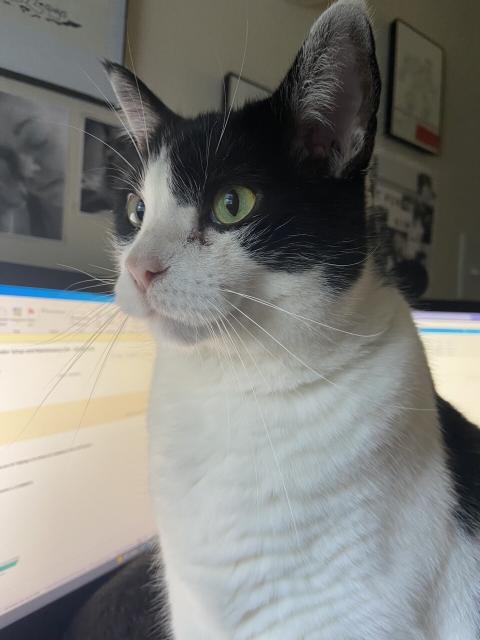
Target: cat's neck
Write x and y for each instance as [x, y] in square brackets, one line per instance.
[285, 351]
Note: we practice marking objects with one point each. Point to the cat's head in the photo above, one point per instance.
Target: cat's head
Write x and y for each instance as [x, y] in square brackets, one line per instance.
[267, 201]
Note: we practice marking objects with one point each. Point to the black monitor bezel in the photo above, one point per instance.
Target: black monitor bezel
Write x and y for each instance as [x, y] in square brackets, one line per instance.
[21, 275]
[453, 306]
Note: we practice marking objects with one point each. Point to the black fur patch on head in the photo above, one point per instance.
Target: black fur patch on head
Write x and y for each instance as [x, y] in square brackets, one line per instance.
[303, 217]
[462, 444]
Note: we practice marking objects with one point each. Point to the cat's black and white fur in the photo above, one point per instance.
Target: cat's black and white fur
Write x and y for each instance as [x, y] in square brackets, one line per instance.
[306, 481]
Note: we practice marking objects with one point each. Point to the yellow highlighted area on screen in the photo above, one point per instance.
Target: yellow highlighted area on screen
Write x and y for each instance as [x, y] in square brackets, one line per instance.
[34, 422]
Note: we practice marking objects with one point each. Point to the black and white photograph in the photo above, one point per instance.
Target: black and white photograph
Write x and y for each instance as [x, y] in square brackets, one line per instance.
[98, 142]
[33, 141]
[404, 202]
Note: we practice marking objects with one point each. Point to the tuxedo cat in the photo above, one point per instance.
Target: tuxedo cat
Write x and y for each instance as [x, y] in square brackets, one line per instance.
[306, 480]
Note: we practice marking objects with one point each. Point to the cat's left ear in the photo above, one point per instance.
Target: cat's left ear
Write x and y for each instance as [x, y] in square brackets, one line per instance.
[329, 98]
[144, 112]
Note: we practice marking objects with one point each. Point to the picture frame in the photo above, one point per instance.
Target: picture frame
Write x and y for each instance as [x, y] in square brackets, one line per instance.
[237, 91]
[63, 43]
[415, 88]
[42, 147]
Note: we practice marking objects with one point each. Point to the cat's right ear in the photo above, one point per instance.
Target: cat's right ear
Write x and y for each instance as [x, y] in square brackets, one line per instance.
[144, 112]
[329, 99]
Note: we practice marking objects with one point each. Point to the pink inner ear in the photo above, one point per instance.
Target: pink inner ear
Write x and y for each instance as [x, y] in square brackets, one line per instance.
[320, 142]
[316, 140]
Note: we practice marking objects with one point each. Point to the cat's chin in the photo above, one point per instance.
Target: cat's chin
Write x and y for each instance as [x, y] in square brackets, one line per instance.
[176, 331]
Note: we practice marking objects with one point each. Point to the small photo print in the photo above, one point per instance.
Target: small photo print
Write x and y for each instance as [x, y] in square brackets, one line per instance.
[98, 154]
[33, 142]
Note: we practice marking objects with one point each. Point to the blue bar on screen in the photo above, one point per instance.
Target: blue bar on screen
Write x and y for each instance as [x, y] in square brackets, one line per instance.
[59, 294]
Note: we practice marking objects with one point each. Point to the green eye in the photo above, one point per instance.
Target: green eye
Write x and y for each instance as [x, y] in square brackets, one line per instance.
[233, 204]
[135, 210]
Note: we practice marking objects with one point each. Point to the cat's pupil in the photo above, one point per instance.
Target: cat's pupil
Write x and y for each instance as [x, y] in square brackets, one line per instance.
[232, 202]
[140, 209]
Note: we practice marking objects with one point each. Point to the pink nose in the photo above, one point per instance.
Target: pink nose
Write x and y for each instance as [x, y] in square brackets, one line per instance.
[143, 275]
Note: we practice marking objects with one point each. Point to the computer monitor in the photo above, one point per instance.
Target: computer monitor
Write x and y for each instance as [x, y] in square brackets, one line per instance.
[74, 379]
[450, 333]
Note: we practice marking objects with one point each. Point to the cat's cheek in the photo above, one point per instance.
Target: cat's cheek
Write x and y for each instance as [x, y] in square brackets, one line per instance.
[129, 299]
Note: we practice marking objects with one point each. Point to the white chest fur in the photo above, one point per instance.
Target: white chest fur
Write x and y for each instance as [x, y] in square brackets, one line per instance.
[297, 514]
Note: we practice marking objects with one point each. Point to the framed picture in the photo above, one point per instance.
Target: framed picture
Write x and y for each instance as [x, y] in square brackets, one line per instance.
[60, 44]
[49, 177]
[238, 91]
[415, 96]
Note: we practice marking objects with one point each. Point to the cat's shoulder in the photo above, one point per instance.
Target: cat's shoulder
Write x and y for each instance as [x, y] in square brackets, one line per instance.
[462, 443]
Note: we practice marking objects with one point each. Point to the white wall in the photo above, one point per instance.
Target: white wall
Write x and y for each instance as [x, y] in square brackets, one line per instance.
[183, 48]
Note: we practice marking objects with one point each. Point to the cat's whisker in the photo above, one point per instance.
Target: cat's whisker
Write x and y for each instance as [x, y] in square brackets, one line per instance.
[264, 423]
[232, 102]
[293, 355]
[224, 336]
[61, 375]
[97, 266]
[73, 268]
[122, 172]
[254, 337]
[86, 344]
[103, 361]
[100, 281]
[140, 98]
[300, 317]
[207, 154]
[124, 183]
[353, 264]
[216, 340]
[308, 366]
[94, 137]
[98, 285]
[117, 114]
[81, 323]
[284, 224]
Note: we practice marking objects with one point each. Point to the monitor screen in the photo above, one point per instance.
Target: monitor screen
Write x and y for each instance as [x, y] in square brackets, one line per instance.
[74, 379]
[452, 343]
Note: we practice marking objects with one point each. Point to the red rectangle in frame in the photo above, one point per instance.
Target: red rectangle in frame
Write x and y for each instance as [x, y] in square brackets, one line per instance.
[425, 136]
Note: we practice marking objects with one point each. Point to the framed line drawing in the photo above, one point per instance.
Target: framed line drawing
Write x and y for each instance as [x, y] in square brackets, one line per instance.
[415, 91]
[62, 43]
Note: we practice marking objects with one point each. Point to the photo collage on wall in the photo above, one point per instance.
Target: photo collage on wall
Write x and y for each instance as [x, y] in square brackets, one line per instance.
[403, 213]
